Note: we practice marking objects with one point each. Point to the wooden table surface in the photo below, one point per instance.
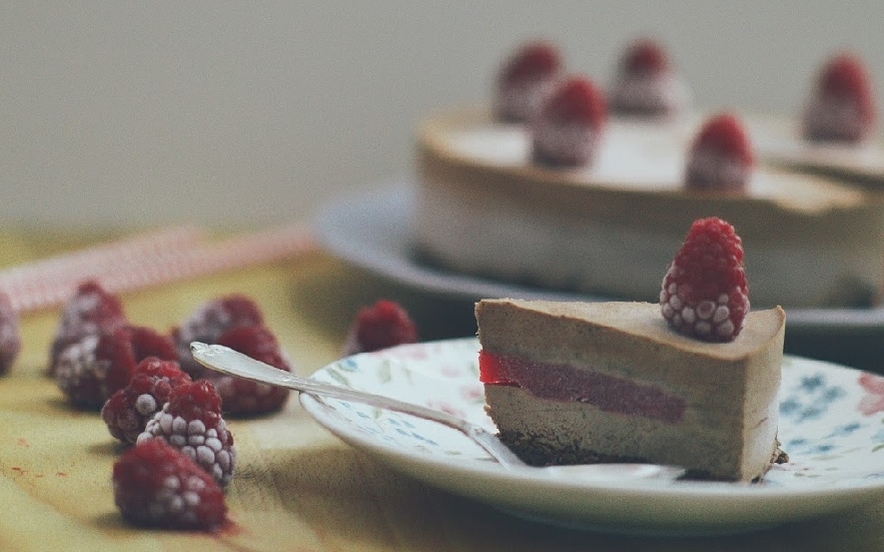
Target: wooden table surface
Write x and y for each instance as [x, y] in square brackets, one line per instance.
[297, 487]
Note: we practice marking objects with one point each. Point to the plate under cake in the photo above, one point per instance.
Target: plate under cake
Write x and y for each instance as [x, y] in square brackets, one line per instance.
[571, 382]
[483, 208]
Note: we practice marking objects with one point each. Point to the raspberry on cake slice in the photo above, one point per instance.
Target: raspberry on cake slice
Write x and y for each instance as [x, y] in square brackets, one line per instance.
[156, 485]
[841, 106]
[568, 127]
[191, 421]
[705, 293]
[645, 83]
[720, 157]
[525, 79]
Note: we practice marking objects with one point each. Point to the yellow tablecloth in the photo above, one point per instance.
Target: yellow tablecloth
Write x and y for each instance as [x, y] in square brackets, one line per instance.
[297, 487]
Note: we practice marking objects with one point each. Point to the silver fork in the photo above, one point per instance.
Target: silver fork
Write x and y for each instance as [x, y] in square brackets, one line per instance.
[227, 361]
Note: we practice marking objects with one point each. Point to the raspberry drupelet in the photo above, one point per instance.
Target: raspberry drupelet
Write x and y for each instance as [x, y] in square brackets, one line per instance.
[89, 371]
[705, 293]
[209, 322]
[127, 411]
[156, 485]
[191, 421]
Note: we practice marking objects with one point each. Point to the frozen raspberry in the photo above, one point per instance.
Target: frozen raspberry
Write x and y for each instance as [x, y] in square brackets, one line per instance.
[705, 294]
[155, 485]
[10, 334]
[720, 157]
[90, 311]
[568, 127]
[645, 83]
[244, 397]
[127, 411]
[209, 321]
[379, 326]
[91, 370]
[191, 421]
[841, 106]
[525, 79]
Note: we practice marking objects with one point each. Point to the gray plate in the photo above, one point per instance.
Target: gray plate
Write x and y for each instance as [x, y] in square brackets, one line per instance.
[372, 231]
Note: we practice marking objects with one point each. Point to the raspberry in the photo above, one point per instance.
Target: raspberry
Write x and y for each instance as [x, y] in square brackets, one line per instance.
[127, 411]
[10, 334]
[645, 83]
[704, 293]
[155, 485]
[379, 326]
[525, 79]
[568, 127]
[91, 370]
[191, 421]
[90, 311]
[841, 107]
[244, 397]
[720, 157]
[209, 321]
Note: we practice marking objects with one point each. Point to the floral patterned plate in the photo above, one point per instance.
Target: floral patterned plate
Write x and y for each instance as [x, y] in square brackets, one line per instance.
[831, 424]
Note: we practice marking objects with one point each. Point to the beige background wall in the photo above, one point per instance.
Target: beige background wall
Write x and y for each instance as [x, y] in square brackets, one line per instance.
[145, 112]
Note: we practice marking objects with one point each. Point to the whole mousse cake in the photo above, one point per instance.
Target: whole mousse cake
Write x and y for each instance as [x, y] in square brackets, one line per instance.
[591, 190]
[692, 381]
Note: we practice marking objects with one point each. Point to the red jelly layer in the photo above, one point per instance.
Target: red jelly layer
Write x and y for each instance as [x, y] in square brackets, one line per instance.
[565, 383]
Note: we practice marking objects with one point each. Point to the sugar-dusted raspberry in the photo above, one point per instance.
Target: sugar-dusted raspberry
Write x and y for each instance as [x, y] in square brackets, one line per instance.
[127, 411]
[379, 326]
[244, 397]
[91, 311]
[92, 369]
[10, 334]
[720, 157]
[841, 106]
[155, 485]
[524, 79]
[704, 292]
[209, 321]
[567, 128]
[191, 421]
[645, 83]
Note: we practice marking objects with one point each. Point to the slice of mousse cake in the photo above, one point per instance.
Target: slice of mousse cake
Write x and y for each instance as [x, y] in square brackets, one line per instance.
[572, 382]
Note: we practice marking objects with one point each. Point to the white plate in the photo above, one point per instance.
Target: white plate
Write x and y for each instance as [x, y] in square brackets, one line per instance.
[831, 424]
[373, 231]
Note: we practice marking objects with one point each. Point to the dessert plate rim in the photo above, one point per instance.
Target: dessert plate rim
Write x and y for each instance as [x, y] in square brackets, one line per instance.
[828, 471]
[372, 230]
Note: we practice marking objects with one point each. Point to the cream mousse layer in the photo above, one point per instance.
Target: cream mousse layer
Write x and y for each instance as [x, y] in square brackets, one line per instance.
[709, 407]
[483, 208]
